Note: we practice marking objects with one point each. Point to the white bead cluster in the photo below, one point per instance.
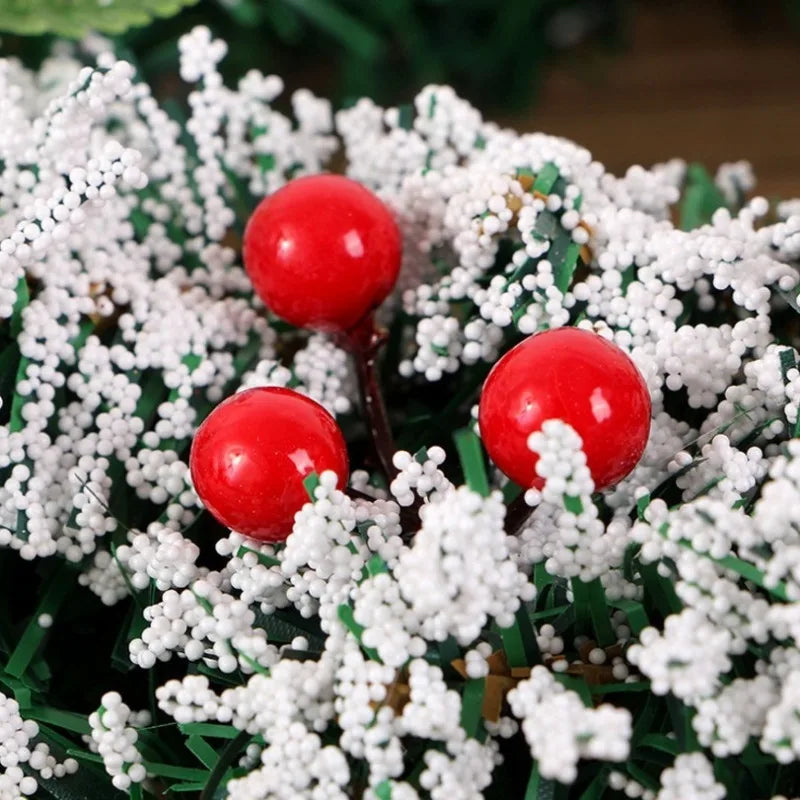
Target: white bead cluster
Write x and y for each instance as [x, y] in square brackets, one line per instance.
[686, 659]
[457, 573]
[483, 203]
[325, 374]
[433, 710]
[324, 555]
[293, 691]
[690, 776]
[565, 531]
[203, 622]
[115, 740]
[781, 732]
[104, 578]
[620, 782]
[19, 754]
[320, 370]
[142, 317]
[573, 730]
[161, 554]
[418, 477]
[296, 764]
[735, 180]
[726, 722]
[368, 726]
[723, 471]
[464, 769]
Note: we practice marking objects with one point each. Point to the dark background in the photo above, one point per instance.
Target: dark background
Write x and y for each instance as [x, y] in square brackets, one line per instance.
[635, 81]
[706, 80]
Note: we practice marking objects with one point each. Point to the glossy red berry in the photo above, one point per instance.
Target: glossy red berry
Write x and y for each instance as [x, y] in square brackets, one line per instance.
[572, 375]
[322, 252]
[251, 454]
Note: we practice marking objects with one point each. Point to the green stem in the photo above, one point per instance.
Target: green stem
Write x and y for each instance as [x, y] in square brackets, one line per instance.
[230, 752]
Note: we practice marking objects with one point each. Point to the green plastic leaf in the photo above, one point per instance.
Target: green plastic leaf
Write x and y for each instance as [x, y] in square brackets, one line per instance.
[742, 568]
[310, 482]
[546, 225]
[641, 505]
[81, 755]
[16, 423]
[347, 28]
[75, 18]
[211, 730]
[470, 454]
[205, 753]
[82, 785]
[449, 651]
[23, 298]
[540, 788]
[596, 789]
[681, 718]
[641, 776]
[701, 198]
[61, 583]
[177, 772]
[283, 626]
[383, 791]
[573, 504]
[546, 178]
[21, 691]
[634, 611]
[376, 565]
[660, 742]
[472, 705]
[405, 117]
[196, 786]
[591, 610]
[577, 685]
[263, 558]
[617, 688]
[564, 266]
[519, 641]
[346, 616]
[660, 590]
[67, 720]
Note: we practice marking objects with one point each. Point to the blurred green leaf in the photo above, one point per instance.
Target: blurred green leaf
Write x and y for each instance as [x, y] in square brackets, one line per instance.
[75, 18]
[347, 28]
[701, 198]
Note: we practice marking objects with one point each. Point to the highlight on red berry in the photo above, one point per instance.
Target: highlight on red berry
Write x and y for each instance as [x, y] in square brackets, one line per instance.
[250, 456]
[575, 376]
[322, 252]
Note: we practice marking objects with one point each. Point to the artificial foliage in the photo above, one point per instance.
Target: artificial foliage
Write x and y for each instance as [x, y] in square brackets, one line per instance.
[385, 50]
[76, 18]
[431, 629]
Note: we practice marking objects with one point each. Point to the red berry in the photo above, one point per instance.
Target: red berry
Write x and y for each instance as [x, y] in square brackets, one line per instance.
[251, 454]
[575, 376]
[322, 252]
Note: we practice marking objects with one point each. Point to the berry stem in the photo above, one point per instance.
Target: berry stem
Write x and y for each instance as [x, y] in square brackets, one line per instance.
[364, 342]
[517, 515]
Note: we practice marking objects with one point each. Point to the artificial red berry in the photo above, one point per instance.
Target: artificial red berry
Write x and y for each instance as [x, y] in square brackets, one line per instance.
[251, 454]
[322, 252]
[577, 377]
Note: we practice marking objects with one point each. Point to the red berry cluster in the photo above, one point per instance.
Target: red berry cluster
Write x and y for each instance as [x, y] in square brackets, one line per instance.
[323, 253]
